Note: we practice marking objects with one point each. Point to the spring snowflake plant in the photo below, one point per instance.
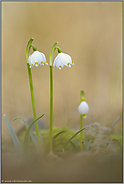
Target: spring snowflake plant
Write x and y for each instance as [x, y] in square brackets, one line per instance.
[83, 109]
[60, 61]
[35, 59]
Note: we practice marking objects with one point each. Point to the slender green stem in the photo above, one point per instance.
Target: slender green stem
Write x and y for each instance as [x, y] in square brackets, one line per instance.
[51, 107]
[51, 92]
[81, 133]
[29, 45]
[33, 100]
[51, 95]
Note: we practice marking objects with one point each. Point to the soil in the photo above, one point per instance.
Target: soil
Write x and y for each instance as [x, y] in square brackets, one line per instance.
[64, 167]
[103, 162]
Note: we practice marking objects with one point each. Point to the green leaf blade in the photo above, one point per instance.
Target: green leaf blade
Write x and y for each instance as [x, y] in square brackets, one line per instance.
[28, 132]
[58, 134]
[33, 137]
[14, 136]
[76, 134]
[26, 124]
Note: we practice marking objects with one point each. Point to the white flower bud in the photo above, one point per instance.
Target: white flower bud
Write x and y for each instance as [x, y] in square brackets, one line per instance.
[83, 108]
[37, 58]
[61, 60]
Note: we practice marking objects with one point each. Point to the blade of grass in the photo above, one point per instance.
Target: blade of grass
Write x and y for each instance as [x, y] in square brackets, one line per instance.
[14, 136]
[88, 145]
[40, 138]
[26, 124]
[28, 132]
[55, 136]
[87, 142]
[33, 136]
[76, 134]
[76, 148]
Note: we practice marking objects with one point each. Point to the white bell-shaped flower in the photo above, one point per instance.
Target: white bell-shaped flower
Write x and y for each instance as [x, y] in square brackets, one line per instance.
[37, 58]
[62, 60]
[83, 108]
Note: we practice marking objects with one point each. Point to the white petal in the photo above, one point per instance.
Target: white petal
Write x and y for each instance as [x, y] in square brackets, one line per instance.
[58, 61]
[83, 108]
[61, 60]
[36, 57]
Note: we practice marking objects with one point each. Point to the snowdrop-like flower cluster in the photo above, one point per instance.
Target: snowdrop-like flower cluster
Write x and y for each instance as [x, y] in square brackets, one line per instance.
[37, 58]
[83, 108]
[62, 60]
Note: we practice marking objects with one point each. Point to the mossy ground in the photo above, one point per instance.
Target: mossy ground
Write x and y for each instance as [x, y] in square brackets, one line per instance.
[60, 141]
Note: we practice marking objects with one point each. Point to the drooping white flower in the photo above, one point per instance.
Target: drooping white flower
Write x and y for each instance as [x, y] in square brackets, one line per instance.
[83, 108]
[37, 58]
[62, 60]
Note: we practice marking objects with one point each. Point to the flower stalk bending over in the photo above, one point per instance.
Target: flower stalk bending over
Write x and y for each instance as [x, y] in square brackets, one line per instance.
[60, 61]
[34, 59]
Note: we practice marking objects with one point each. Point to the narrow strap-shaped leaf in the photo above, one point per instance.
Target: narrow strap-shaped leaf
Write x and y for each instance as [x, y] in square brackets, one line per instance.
[76, 148]
[33, 136]
[40, 138]
[76, 134]
[28, 132]
[34, 139]
[26, 124]
[14, 136]
[88, 145]
[55, 136]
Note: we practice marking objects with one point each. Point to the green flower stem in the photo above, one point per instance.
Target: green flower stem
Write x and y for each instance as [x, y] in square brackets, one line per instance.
[51, 107]
[51, 53]
[33, 100]
[29, 45]
[81, 121]
[81, 133]
[51, 94]
[59, 50]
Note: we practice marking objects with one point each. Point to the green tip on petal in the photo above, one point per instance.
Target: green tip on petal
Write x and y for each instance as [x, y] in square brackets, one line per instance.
[46, 63]
[30, 65]
[36, 63]
[60, 67]
[68, 64]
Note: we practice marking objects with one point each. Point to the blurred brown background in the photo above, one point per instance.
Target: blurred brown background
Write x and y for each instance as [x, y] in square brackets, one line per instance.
[91, 33]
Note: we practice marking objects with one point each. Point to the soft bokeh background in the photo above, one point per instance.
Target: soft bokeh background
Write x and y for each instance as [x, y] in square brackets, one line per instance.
[91, 32]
